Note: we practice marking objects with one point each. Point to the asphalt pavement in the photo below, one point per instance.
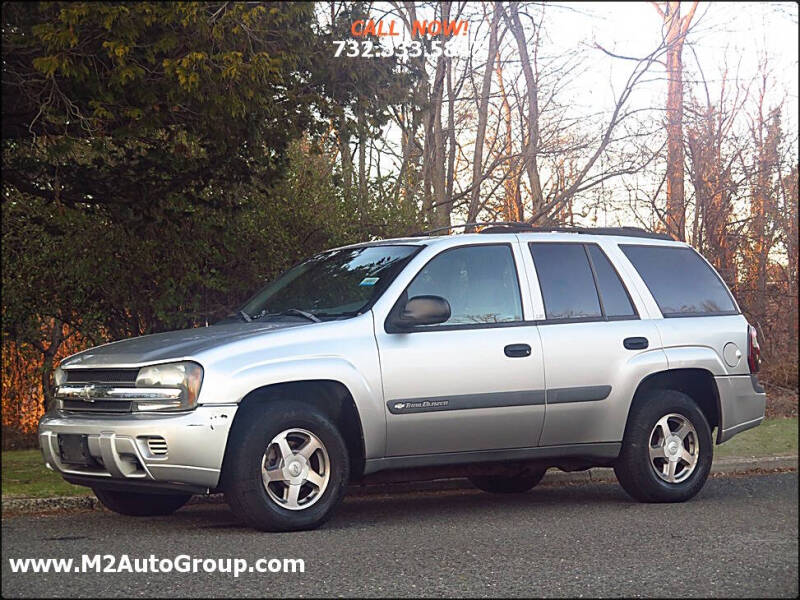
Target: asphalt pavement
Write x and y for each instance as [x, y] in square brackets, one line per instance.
[738, 537]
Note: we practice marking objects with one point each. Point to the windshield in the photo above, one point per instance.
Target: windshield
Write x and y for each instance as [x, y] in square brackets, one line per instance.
[333, 284]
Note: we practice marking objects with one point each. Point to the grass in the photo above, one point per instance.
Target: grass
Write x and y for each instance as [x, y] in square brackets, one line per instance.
[25, 476]
[773, 437]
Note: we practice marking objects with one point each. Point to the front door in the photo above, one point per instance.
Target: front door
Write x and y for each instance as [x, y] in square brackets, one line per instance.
[475, 382]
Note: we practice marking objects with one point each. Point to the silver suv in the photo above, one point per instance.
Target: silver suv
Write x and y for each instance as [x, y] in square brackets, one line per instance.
[492, 355]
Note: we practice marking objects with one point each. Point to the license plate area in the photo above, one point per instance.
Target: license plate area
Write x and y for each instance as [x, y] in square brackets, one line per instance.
[74, 450]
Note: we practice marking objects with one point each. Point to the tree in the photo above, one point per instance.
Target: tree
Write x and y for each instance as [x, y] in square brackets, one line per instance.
[713, 147]
[483, 112]
[359, 93]
[532, 147]
[146, 151]
[127, 106]
[676, 30]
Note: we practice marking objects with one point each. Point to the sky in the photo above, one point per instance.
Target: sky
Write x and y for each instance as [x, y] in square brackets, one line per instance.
[737, 34]
[738, 31]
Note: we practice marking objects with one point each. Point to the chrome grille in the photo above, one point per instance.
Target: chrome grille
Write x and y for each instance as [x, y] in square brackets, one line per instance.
[96, 382]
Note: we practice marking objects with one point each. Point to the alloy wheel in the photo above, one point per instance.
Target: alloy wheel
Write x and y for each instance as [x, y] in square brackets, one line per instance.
[674, 448]
[295, 469]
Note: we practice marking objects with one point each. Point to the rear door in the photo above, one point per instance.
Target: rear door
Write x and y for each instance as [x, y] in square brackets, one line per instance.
[591, 332]
[475, 382]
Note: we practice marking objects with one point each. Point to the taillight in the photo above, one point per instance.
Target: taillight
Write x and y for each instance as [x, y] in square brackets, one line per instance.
[753, 350]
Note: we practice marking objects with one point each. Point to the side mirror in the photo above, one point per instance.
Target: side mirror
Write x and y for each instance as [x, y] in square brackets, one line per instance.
[422, 310]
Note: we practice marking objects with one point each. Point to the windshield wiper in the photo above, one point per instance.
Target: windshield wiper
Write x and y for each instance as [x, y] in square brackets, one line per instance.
[339, 315]
[295, 312]
[245, 317]
[301, 313]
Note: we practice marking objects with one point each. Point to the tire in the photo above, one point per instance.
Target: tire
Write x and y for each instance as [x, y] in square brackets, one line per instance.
[259, 478]
[135, 504]
[647, 448]
[499, 484]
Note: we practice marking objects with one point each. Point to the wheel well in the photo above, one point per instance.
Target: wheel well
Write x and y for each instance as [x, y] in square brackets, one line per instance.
[698, 384]
[330, 397]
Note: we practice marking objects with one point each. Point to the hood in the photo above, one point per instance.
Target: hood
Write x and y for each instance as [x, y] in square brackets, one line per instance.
[172, 345]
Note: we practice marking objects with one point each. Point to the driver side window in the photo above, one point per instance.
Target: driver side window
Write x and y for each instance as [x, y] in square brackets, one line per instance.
[480, 283]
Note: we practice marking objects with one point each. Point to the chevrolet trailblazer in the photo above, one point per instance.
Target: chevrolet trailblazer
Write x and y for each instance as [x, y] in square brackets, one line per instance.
[494, 355]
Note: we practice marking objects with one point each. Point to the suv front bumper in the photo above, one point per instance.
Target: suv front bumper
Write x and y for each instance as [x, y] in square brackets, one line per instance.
[142, 450]
[741, 404]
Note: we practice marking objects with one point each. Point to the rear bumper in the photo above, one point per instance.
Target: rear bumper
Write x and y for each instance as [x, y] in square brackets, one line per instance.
[119, 444]
[741, 404]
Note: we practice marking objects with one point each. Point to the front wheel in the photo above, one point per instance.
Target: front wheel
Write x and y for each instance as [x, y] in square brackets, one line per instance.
[135, 504]
[287, 467]
[667, 449]
[498, 484]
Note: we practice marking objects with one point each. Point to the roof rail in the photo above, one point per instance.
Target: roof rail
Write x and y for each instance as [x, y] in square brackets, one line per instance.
[491, 224]
[626, 231]
[518, 227]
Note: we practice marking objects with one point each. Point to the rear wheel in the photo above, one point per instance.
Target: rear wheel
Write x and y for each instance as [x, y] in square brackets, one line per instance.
[287, 468]
[136, 504]
[667, 450]
[499, 484]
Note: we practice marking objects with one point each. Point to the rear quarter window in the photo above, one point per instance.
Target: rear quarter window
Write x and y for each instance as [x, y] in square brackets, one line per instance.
[681, 282]
[616, 302]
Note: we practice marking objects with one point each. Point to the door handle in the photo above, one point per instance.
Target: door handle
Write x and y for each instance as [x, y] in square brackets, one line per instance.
[517, 350]
[635, 343]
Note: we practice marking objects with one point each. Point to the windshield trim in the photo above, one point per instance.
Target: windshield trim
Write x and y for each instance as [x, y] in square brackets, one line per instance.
[380, 290]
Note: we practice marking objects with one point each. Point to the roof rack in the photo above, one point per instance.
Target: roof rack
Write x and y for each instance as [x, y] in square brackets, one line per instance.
[517, 227]
[626, 231]
[508, 224]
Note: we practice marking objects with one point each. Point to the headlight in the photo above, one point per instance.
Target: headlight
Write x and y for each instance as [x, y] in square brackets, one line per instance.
[60, 376]
[173, 386]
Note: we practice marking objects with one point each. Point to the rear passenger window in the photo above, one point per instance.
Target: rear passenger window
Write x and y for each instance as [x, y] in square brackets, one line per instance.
[681, 282]
[616, 302]
[579, 282]
[566, 280]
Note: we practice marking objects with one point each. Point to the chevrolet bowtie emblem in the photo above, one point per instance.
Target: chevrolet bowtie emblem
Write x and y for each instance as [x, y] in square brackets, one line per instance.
[86, 393]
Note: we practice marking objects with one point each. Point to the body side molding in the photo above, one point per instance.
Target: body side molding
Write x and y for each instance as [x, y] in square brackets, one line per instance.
[589, 393]
[466, 401]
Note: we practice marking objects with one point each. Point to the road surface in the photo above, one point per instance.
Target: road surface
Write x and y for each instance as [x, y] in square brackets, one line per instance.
[737, 538]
